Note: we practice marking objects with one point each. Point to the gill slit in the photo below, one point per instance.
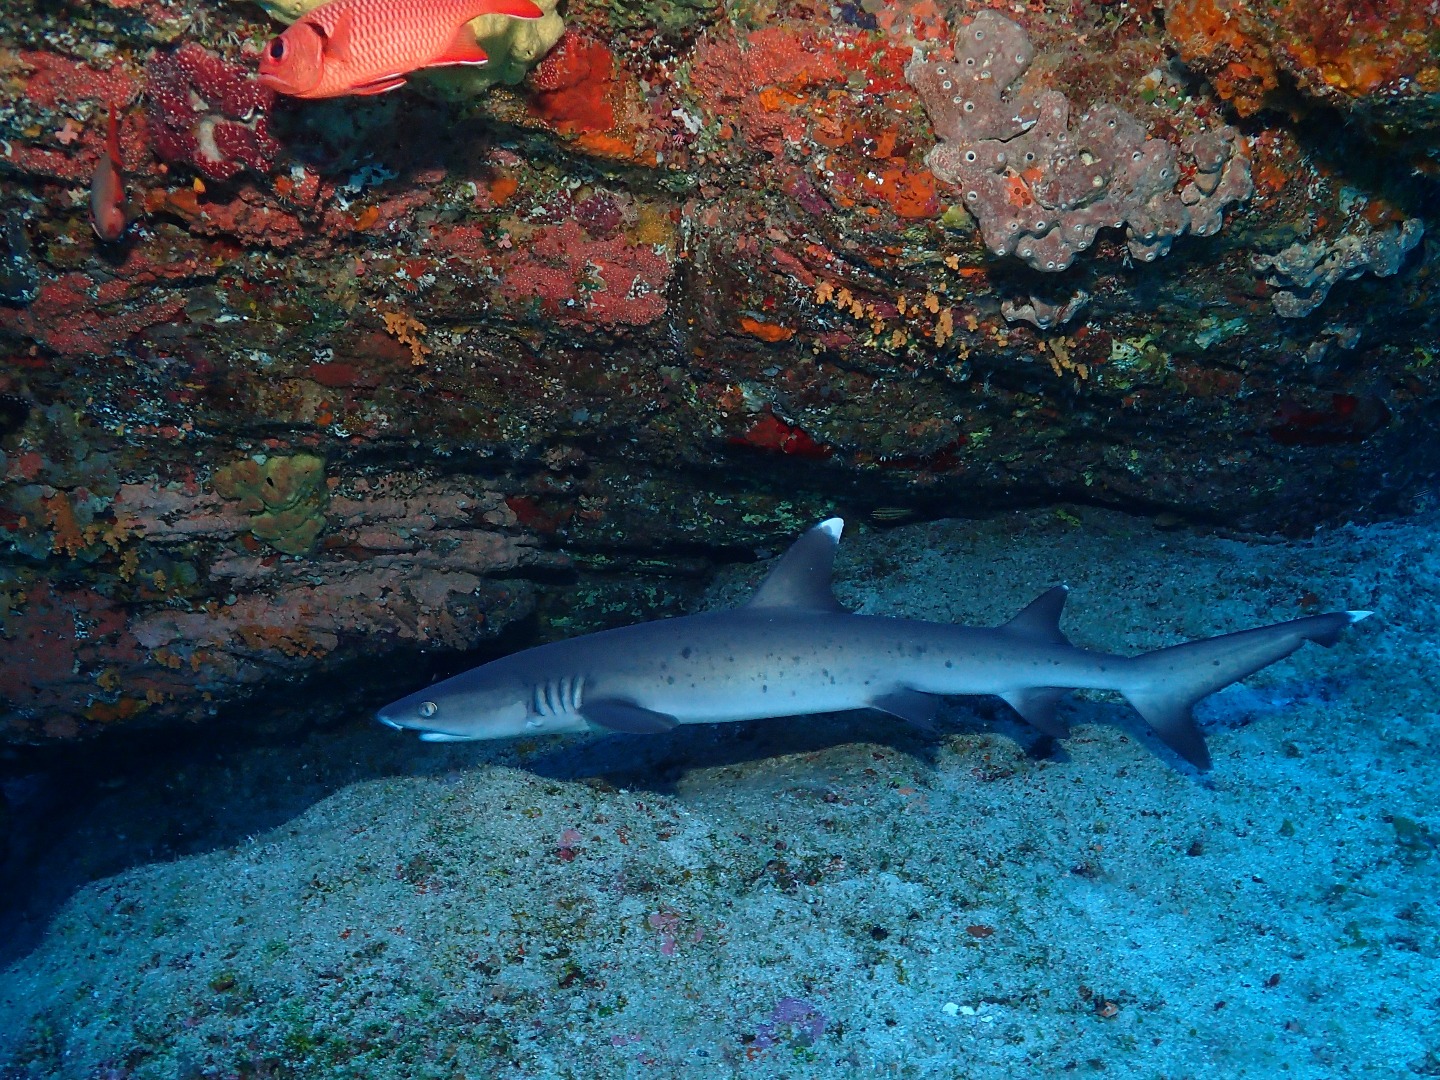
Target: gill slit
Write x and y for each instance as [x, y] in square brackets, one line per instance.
[558, 697]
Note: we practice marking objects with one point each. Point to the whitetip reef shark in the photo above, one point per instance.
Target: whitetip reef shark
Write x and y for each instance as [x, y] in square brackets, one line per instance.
[793, 650]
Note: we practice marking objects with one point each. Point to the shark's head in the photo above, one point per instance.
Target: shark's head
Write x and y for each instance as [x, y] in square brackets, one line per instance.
[461, 709]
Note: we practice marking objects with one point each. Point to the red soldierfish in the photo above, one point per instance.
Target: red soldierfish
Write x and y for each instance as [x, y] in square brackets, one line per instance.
[107, 186]
[369, 46]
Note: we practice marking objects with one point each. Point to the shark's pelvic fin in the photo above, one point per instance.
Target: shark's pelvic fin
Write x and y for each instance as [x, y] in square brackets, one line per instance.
[912, 706]
[628, 717]
[1165, 684]
[801, 580]
[1040, 621]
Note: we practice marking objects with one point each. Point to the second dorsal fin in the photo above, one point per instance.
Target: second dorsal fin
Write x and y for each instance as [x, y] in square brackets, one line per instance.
[1040, 621]
[801, 579]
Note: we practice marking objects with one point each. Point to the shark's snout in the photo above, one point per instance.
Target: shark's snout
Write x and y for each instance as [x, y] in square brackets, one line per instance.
[408, 714]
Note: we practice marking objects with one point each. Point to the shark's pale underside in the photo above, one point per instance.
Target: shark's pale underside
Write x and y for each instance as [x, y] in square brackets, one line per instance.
[793, 650]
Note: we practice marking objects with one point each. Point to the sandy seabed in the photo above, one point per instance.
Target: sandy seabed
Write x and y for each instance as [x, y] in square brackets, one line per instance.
[829, 896]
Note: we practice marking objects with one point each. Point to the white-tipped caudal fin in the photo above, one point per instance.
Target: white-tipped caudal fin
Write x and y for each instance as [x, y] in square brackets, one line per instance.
[1164, 685]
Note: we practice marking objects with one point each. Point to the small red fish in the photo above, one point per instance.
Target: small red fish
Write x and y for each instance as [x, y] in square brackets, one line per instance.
[369, 46]
[107, 186]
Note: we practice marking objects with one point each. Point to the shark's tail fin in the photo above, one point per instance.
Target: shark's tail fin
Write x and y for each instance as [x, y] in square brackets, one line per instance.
[1165, 684]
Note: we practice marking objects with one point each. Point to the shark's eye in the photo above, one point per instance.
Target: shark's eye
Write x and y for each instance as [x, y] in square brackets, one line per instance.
[427, 709]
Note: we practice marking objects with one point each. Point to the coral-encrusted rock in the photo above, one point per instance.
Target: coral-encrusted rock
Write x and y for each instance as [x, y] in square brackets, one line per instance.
[1303, 274]
[1041, 189]
[284, 496]
[405, 562]
[209, 114]
[1377, 61]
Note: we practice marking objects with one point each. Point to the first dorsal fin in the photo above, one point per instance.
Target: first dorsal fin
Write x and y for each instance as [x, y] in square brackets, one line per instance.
[1040, 621]
[801, 580]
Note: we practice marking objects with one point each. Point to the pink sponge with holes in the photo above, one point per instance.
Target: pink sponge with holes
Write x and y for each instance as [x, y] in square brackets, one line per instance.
[1042, 186]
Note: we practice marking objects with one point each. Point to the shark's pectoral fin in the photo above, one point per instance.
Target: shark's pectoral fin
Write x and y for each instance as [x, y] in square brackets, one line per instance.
[1037, 706]
[440, 736]
[626, 716]
[909, 705]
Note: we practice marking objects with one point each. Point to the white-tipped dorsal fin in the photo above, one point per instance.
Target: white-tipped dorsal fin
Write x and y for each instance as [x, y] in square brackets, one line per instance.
[1040, 621]
[801, 579]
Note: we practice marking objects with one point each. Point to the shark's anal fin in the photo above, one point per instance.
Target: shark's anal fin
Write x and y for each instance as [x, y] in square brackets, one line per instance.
[626, 716]
[912, 706]
[1036, 705]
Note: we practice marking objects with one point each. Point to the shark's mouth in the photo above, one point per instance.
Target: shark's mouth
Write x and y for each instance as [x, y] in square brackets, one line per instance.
[425, 736]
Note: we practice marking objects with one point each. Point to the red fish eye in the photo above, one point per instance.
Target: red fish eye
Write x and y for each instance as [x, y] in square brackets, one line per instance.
[277, 49]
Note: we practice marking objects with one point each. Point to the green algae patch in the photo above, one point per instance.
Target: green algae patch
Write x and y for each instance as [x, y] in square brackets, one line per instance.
[1415, 841]
[670, 18]
[284, 496]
